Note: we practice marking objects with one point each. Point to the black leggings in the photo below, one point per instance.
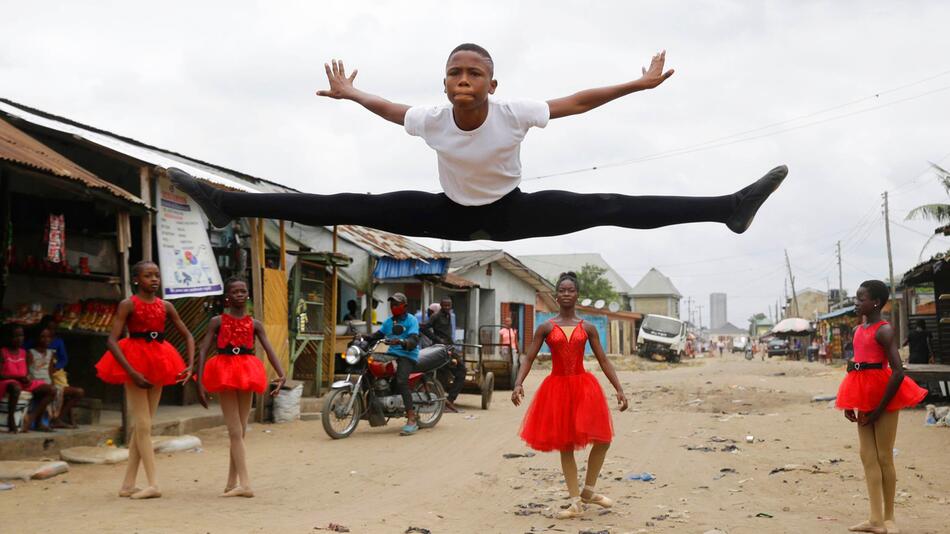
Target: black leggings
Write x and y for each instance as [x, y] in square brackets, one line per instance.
[517, 215]
[404, 368]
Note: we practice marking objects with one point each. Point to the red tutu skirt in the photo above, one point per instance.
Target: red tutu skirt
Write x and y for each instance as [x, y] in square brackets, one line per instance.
[863, 390]
[158, 361]
[568, 412]
[242, 372]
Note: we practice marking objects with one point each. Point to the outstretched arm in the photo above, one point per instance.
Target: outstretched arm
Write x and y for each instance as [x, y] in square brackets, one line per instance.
[341, 87]
[591, 98]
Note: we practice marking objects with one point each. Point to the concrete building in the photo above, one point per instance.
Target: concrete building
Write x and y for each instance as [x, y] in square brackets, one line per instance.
[506, 288]
[552, 265]
[718, 315]
[655, 293]
[811, 304]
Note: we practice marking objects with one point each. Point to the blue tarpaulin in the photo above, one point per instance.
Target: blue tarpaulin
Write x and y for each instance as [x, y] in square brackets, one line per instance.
[390, 268]
[836, 313]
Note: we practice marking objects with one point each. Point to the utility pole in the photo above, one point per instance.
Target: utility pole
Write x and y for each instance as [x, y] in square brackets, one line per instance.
[840, 278]
[895, 305]
[792, 280]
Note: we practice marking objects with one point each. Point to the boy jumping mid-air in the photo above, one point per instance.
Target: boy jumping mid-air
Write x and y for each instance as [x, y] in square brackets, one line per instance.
[478, 141]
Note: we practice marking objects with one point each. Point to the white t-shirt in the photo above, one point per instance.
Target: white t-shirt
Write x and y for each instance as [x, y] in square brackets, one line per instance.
[480, 166]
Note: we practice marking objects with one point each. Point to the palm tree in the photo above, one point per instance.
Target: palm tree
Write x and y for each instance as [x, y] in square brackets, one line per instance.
[935, 212]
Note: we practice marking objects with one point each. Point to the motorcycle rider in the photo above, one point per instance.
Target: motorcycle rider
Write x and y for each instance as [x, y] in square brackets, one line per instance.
[401, 331]
[440, 329]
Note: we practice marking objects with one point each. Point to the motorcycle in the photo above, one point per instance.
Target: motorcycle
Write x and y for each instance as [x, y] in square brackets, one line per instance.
[370, 391]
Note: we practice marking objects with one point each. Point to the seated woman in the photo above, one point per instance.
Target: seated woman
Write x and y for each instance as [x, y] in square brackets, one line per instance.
[42, 368]
[14, 378]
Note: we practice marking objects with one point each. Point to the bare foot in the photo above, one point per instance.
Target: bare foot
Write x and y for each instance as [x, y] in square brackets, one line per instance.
[866, 526]
[128, 492]
[150, 492]
[891, 526]
[239, 491]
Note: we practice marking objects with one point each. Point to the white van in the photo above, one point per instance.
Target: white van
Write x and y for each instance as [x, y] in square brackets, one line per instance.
[664, 335]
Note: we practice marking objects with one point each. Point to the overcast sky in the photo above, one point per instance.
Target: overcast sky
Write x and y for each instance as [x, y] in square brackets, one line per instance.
[233, 83]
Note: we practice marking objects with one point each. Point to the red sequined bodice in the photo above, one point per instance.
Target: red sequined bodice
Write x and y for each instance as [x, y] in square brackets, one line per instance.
[146, 316]
[567, 354]
[236, 332]
[866, 347]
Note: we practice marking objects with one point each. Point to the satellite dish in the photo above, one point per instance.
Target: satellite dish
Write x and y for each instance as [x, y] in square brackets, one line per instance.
[586, 302]
[614, 307]
[600, 303]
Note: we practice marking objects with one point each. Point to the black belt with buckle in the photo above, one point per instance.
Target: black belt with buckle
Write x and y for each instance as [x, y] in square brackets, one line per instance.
[234, 351]
[148, 336]
[861, 366]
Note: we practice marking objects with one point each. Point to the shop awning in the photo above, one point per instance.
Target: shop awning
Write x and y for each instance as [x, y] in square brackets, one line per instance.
[837, 313]
[19, 148]
[390, 268]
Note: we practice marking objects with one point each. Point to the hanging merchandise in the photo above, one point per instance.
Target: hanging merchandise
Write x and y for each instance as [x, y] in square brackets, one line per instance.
[56, 238]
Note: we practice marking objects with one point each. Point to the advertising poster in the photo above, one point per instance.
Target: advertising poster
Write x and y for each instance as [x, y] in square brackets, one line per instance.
[185, 257]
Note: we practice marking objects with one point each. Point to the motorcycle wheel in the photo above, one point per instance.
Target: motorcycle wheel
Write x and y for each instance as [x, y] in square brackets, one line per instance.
[429, 414]
[341, 427]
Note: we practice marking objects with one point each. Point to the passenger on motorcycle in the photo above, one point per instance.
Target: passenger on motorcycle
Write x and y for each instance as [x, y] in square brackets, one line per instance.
[401, 332]
[440, 328]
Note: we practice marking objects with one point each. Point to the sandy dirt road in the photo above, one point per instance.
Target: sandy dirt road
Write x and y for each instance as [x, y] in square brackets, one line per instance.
[453, 478]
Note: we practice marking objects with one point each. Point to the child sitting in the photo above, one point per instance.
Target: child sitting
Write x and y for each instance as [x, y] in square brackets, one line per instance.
[42, 368]
[15, 363]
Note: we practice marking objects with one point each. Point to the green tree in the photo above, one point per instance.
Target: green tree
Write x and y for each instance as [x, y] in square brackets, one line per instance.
[939, 212]
[594, 285]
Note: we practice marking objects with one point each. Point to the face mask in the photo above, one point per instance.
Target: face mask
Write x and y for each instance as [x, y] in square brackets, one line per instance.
[398, 309]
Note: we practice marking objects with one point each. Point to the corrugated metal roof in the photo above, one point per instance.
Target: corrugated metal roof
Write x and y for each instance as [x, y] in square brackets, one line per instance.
[655, 284]
[130, 147]
[552, 265]
[454, 280]
[387, 245]
[18, 147]
[465, 260]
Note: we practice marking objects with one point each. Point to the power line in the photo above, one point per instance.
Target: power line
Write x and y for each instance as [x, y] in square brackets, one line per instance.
[729, 140]
[909, 229]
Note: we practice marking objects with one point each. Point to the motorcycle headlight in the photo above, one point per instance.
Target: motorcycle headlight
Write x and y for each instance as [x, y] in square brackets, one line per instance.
[353, 355]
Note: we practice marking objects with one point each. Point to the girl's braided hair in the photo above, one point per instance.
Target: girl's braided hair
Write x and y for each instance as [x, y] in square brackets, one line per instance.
[569, 275]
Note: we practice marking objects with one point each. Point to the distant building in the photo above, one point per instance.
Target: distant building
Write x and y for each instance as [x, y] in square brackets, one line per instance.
[811, 304]
[717, 310]
[759, 327]
[655, 293]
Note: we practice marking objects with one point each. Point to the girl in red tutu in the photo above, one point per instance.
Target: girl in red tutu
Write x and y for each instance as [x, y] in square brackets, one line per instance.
[569, 410]
[143, 363]
[871, 395]
[235, 373]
